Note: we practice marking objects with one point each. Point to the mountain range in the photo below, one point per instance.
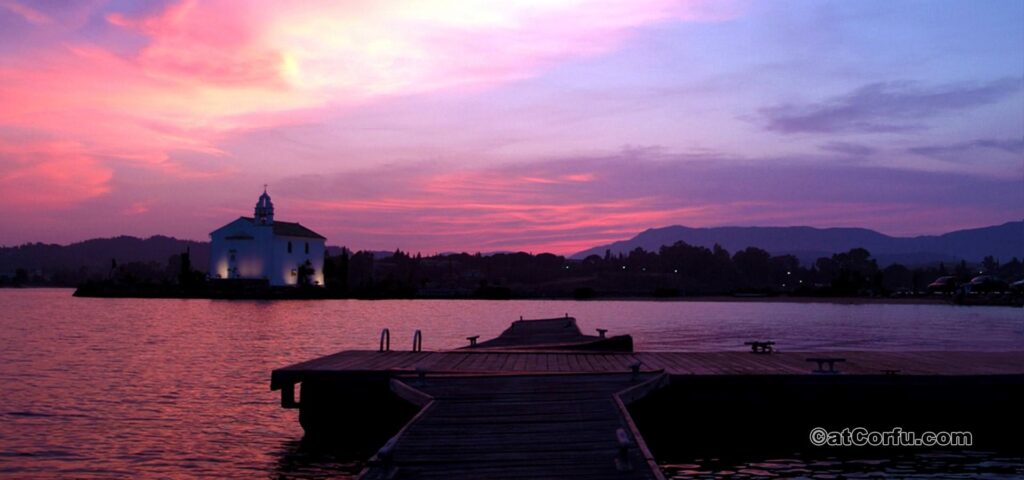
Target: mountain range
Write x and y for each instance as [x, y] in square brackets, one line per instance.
[807, 243]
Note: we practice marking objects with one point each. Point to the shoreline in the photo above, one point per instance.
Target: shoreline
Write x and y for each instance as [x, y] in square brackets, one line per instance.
[1013, 302]
[790, 299]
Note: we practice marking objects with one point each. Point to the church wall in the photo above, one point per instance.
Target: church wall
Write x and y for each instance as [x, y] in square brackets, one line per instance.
[249, 253]
[284, 266]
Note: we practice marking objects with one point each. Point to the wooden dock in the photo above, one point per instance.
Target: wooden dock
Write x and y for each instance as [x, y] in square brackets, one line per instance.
[499, 410]
[523, 427]
[673, 363]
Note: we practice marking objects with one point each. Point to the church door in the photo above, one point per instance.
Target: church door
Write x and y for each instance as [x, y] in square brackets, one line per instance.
[232, 264]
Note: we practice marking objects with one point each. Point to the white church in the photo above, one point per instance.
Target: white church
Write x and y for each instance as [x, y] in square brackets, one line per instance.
[260, 247]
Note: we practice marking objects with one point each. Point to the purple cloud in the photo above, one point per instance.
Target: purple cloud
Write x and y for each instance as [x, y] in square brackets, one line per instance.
[1008, 145]
[568, 204]
[846, 148]
[885, 107]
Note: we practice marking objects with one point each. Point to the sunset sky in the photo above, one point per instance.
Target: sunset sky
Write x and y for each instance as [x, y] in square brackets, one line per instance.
[539, 125]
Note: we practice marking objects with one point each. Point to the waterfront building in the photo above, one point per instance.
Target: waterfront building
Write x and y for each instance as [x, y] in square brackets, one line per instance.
[262, 248]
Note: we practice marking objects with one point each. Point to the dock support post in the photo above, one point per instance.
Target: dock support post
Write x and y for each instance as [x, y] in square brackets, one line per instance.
[635, 368]
[622, 462]
[288, 396]
[417, 341]
[385, 340]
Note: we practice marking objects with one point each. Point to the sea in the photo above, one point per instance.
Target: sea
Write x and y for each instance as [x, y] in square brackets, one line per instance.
[168, 388]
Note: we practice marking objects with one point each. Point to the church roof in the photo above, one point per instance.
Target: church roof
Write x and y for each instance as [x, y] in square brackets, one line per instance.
[289, 229]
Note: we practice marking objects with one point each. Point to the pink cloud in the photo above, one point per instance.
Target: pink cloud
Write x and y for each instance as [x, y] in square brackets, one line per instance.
[136, 208]
[535, 207]
[206, 44]
[38, 175]
[196, 74]
[493, 209]
[329, 52]
[30, 14]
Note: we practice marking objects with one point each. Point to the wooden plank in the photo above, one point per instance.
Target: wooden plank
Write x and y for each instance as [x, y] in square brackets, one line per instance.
[745, 363]
[632, 394]
[686, 365]
[604, 362]
[587, 362]
[562, 361]
[931, 364]
[526, 426]
[459, 360]
[410, 394]
[506, 362]
[678, 363]
[519, 365]
[472, 360]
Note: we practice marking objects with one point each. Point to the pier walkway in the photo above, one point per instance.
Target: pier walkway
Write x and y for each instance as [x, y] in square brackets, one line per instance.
[674, 363]
[512, 427]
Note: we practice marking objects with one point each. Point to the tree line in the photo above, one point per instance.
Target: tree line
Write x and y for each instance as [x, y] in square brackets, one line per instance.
[674, 270]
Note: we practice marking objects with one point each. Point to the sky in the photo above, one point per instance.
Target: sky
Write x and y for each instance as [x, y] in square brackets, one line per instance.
[538, 125]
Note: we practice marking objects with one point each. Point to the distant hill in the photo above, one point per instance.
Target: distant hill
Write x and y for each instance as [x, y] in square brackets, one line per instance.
[1003, 242]
[97, 253]
[806, 243]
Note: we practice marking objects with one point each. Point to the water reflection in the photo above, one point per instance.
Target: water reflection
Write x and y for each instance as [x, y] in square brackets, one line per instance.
[922, 465]
[128, 388]
[306, 459]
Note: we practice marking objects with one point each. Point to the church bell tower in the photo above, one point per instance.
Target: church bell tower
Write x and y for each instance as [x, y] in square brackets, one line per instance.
[264, 214]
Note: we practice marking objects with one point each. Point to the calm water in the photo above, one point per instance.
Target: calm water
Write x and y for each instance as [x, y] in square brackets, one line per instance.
[926, 465]
[110, 388]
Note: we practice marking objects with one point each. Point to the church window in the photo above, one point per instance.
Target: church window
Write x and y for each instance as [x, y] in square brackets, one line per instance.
[307, 248]
[289, 247]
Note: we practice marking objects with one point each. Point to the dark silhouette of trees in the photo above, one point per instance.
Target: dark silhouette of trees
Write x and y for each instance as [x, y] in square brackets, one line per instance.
[897, 278]
[850, 273]
[188, 277]
[20, 276]
[674, 270]
[990, 264]
[754, 267]
[305, 274]
[336, 271]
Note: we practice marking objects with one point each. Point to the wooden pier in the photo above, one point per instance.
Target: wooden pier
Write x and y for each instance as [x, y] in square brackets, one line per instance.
[674, 363]
[519, 426]
[547, 410]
